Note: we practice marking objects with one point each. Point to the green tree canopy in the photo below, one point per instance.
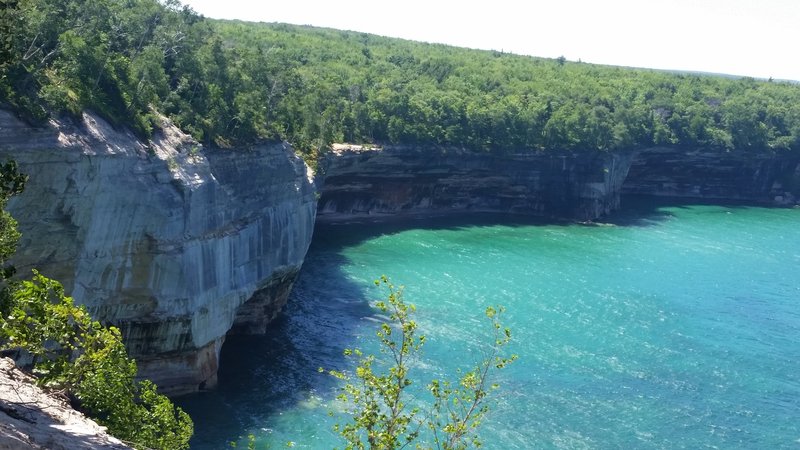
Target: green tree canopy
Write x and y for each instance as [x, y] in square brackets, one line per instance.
[235, 83]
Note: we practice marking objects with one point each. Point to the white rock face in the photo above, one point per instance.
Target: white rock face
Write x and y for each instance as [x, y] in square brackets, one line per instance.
[165, 239]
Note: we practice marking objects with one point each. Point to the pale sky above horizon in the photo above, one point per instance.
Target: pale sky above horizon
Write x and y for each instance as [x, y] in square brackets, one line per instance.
[739, 37]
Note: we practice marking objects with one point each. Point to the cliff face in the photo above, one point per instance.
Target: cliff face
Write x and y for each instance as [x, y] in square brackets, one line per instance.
[174, 244]
[766, 178]
[179, 246]
[363, 182]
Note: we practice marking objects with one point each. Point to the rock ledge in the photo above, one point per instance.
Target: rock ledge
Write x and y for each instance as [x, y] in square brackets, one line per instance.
[30, 418]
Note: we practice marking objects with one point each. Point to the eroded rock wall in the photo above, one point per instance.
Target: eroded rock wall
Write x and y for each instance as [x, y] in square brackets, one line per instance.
[363, 182]
[759, 177]
[164, 239]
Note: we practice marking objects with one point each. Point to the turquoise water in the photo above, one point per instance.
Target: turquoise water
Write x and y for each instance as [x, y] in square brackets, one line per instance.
[677, 327]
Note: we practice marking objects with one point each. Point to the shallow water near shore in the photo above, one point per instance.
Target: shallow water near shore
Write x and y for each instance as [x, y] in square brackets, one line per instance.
[668, 326]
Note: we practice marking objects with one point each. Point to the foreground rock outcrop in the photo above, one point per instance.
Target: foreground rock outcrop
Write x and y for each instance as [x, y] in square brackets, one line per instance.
[30, 418]
[398, 180]
[173, 243]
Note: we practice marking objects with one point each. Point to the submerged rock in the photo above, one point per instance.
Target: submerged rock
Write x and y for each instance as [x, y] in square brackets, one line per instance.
[171, 242]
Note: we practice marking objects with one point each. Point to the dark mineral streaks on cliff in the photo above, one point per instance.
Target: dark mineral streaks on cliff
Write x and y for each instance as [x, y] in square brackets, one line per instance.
[417, 180]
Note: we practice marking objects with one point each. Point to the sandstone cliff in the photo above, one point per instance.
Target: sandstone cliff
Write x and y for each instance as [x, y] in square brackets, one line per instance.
[370, 182]
[758, 177]
[180, 245]
[175, 244]
[399, 180]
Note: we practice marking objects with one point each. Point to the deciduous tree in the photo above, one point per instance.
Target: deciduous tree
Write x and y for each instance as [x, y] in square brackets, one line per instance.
[384, 415]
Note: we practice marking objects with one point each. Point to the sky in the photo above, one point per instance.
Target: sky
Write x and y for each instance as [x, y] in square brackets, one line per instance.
[756, 38]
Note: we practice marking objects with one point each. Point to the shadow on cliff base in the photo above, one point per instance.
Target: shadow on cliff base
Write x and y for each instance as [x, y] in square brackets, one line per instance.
[648, 210]
[637, 210]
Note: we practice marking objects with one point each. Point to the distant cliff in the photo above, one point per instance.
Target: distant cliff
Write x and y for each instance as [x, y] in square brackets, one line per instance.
[363, 182]
[402, 180]
[175, 244]
[768, 178]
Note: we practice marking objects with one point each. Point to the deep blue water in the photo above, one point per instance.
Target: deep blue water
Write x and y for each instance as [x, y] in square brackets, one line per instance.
[672, 327]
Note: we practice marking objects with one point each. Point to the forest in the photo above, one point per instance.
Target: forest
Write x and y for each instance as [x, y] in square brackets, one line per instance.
[234, 84]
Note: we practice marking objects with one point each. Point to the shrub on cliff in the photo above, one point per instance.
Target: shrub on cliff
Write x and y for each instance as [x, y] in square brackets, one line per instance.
[11, 183]
[76, 354]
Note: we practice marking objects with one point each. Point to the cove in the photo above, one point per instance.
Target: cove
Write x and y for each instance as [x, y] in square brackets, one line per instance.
[670, 326]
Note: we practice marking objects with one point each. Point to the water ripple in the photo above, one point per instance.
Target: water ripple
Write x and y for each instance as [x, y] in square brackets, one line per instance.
[679, 334]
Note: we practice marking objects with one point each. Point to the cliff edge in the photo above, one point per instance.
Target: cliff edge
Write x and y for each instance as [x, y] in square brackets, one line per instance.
[30, 418]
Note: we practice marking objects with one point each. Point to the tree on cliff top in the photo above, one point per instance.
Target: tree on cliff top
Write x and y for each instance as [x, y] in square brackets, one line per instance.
[233, 83]
[77, 355]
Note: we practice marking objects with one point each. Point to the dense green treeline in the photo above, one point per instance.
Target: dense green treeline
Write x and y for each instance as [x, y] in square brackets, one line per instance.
[118, 58]
[237, 83]
[357, 87]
